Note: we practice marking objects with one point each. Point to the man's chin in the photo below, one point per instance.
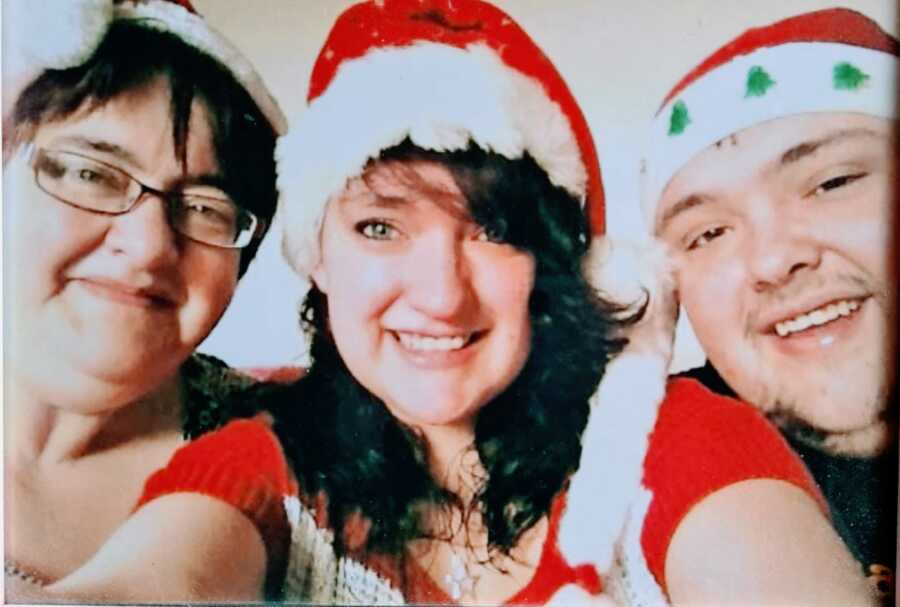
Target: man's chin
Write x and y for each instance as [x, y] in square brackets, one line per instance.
[864, 442]
[869, 439]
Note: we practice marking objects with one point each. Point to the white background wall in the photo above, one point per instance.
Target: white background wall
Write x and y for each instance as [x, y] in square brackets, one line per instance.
[620, 57]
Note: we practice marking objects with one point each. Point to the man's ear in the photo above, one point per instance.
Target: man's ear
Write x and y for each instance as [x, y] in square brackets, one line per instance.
[319, 277]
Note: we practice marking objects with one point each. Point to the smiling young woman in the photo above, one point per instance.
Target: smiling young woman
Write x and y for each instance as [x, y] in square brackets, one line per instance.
[441, 192]
[435, 315]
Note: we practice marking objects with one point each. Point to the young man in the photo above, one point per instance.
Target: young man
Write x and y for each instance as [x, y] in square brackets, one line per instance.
[139, 176]
[771, 178]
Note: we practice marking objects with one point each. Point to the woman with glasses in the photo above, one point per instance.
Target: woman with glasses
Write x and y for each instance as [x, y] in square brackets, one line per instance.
[206, 214]
[139, 179]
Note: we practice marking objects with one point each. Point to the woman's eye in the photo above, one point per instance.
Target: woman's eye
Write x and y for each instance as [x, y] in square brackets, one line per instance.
[85, 172]
[377, 230]
[201, 209]
[100, 180]
[96, 177]
[209, 210]
[837, 182]
[706, 237]
[488, 235]
[495, 234]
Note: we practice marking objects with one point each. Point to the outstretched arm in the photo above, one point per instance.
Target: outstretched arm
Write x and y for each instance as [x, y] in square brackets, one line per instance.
[183, 547]
[205, 528]
[761, 542]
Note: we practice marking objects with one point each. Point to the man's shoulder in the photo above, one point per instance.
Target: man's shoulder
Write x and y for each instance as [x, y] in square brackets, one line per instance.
[699, 432]
[688, 400]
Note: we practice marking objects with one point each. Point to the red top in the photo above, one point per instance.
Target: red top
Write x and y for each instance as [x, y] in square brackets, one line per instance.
[241, 464]
[702, 442]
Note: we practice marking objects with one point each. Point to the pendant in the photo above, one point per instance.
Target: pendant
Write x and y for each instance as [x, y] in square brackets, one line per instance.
[460, 582]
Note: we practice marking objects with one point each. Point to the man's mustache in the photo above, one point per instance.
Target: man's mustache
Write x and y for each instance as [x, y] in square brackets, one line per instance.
[801, 286]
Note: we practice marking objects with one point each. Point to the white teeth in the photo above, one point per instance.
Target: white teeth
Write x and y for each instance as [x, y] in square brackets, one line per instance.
[816, 317]
[424, 343]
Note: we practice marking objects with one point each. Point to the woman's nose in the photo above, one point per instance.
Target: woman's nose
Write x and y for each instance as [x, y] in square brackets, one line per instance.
[145, 234]
[438, 278]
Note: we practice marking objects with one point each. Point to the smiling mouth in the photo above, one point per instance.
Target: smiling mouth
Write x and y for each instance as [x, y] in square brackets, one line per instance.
[123, 294]
[818, 317]
[416, 342]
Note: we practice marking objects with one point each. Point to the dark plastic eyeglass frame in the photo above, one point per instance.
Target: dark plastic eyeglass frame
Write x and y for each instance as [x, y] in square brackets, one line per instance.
[170, 198]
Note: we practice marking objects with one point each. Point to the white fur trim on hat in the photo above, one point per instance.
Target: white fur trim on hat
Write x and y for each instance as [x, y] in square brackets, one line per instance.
[195, 31]
[607, 490]
[795, 78]
[439, 96]
[630, 582]
[614, 445]
[64, 34]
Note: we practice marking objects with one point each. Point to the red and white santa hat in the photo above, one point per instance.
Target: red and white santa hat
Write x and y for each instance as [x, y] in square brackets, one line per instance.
[443, 73]
[834, 60]
[65, 33]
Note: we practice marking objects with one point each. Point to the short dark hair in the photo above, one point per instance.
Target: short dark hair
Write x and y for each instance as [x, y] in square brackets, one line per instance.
[344, 442]
[131, 55]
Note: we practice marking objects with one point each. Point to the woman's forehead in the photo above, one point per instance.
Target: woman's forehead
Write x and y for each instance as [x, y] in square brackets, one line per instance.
[397, 183]
[392, 178]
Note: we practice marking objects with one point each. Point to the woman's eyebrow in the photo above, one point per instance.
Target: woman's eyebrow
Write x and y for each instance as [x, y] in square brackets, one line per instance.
[100, 145]
[213, 180]
[384, 201]
[391, 202]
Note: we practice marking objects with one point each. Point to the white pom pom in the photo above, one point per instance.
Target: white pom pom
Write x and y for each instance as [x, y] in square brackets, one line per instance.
[625, 270]
[634, 274]
[57, 35]
[40, 35]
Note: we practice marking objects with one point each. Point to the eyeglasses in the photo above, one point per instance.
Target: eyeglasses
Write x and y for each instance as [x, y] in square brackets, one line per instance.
[92, 185]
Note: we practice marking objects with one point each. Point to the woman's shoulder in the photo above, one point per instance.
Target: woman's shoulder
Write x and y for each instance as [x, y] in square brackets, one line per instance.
[240, 464]
[234, 463]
